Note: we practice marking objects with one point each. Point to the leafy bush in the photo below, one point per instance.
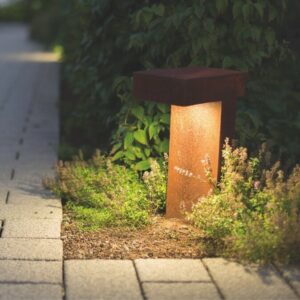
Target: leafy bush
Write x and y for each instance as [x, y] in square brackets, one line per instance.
[270, 113]
[13, 12]
[253, 213]
[196, 33]
[106, 41]
[101, 193]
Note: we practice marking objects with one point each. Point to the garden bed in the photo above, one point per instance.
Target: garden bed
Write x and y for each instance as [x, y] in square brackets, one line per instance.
[163, 238]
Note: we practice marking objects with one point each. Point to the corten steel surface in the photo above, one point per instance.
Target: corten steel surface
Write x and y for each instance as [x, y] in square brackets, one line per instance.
[202, 115]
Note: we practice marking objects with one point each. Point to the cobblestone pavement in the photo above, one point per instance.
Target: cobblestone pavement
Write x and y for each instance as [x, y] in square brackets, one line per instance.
[31, 265]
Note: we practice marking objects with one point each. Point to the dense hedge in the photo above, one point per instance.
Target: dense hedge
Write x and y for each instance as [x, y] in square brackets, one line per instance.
[15, 12]
[105, 41]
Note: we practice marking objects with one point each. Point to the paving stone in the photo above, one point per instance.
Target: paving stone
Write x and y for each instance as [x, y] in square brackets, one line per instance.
[171, 270]
[34, 201]
[3, 195]
[31, 292]
[5, 174]
[101, 279]
[248, 282]
[180, 291]
[38, 196]
[32, 228]
[33, 172]
[10, 211]
[18, 271]
[292, 274]
[1, 227]
[31, 249]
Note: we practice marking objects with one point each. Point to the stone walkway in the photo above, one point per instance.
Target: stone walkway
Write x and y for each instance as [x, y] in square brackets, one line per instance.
[31, 265]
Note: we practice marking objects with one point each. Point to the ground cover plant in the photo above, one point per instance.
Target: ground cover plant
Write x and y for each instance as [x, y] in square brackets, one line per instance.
[253, 214]
[101, 193]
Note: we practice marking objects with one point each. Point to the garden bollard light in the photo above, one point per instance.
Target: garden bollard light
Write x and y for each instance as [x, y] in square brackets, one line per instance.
[203, 105]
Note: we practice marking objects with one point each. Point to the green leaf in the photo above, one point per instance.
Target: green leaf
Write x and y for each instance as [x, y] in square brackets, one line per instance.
[141, 136]
[152, 130]
[138, 152]
[272, 13]
[221, 5]
[147, 152]
[247, 8]
[115, 148]
[236, 9]
[260, 8]
[128, 140]
[117, 156]
[165, 119]
[130, 155]
[147, 120]
[138, 112]
[160, 10]
[150, 105]
[142, 165]
[164, 108]
[270, 37]
[164, 146]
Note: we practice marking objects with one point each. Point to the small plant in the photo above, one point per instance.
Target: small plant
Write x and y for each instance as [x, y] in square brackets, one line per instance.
[156, 184]
[253, 213]
[101, 193]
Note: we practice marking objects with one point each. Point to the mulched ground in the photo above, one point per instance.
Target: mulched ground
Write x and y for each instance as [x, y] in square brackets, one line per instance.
[164, 238]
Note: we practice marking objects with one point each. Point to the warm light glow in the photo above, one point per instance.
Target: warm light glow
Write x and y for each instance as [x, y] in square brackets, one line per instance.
[195, 135]
[30, 57]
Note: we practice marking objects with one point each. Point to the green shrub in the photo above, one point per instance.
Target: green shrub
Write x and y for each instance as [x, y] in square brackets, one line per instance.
[101, 193]
[105, 41]
[13, 12]
[253, 213]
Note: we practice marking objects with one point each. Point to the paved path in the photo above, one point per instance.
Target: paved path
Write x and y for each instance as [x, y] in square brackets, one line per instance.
[31, 265]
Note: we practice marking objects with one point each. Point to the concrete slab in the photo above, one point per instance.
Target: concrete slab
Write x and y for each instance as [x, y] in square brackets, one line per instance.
[21, 193]
[31, 249]
[10, 211]
[3, 195]
[18, 271]
[171, 270]
[180, 291]
[33, 172]
[292, 274]
[248, 282]
[32, 228]
[101, 279]
[30, 291]
[35, 201]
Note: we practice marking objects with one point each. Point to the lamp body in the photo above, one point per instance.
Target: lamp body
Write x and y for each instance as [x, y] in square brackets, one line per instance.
[203, 105]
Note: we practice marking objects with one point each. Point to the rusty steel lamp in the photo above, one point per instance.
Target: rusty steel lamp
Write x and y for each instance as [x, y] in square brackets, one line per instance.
[203, 105]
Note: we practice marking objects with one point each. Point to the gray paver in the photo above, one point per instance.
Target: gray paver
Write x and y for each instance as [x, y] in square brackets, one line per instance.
[30, 291]
[32, 228]
[292, 274]
[31, 249]
[248, 282]
[34, 201]
[38, 197]
[3, 195]
[10, 211]
[180, 291]
[171, 270]
[101, 279]
[17, 271]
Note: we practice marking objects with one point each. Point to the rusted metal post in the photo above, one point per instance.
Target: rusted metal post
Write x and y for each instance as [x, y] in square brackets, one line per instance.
[203, 105]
